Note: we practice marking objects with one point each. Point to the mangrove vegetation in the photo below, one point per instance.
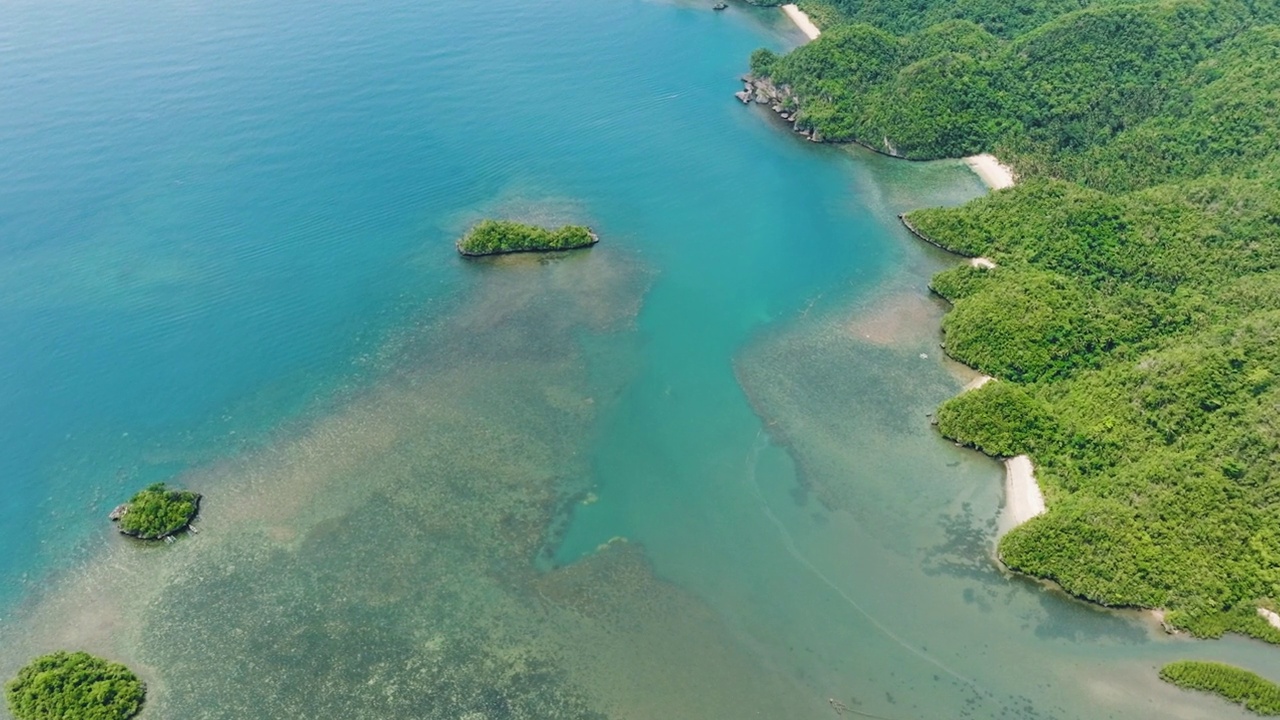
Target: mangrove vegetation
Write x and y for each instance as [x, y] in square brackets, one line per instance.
[496, 237]
[1241, 686]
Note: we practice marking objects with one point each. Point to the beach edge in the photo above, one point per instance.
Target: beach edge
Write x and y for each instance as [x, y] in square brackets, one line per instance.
[802, 21]
[994, 173]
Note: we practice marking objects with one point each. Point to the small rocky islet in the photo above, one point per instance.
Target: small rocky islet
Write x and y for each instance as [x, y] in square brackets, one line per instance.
[78, 685]
[156, 512]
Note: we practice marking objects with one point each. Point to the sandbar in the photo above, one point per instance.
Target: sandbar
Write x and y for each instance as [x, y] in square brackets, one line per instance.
[806, 25]
[1023, 499]
[996, 175]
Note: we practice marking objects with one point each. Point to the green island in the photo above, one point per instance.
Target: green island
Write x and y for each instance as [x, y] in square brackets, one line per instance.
[1256, 693]
[1133, 316]
[157, 512]
[497, 237]
[74, 686]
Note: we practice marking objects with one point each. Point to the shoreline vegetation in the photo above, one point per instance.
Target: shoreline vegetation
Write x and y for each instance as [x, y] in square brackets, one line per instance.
[1023, 498]
[501, 237]
[1255, 693]
[1125, 291]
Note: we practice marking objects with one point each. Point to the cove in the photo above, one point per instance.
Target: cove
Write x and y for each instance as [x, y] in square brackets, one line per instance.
[686, 473]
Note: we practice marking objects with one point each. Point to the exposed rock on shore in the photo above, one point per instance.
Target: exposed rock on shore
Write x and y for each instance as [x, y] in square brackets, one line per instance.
[781, 100]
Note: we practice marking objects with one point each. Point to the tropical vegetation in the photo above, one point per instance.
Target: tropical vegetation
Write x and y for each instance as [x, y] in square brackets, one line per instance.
[1116, 94]
[158, 512]
[1257, 694]
[493, 237]
[1133, 318]
[74, 686]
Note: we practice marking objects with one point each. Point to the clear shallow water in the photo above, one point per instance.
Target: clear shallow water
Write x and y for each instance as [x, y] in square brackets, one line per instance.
[225, 237]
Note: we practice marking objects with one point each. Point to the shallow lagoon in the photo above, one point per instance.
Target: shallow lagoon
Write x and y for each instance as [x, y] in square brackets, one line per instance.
[688, 473]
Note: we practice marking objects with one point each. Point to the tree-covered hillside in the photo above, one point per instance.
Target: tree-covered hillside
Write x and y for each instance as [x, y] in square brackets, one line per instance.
[999, 17]
[1108, 85]
[1133, 319]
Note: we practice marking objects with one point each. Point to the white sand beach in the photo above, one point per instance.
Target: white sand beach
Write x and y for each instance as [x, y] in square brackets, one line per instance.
[982, 263]
[976, 383]
[996, 175]
[806, 25]
[1270, 616]
[1023, 499]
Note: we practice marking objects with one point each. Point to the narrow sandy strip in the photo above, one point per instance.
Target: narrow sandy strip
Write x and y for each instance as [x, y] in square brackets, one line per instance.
[982, 263]
[996, 175]
[806, 25]
[1271, 617]
[976, 383]
[1023, 499]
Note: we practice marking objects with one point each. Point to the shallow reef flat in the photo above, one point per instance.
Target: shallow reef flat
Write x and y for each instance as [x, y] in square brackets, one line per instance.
[380, 561]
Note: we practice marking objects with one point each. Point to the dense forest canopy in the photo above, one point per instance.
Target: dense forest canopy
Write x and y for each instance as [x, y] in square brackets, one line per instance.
[1133, 318]
[157, 512]
[64, 685]
[1118, 96]
[905, 16]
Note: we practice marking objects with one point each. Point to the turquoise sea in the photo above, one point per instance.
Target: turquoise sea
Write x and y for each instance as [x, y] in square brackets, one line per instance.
[688, 473]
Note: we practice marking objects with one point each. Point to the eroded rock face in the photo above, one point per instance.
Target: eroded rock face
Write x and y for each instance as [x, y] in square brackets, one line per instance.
[780, 99]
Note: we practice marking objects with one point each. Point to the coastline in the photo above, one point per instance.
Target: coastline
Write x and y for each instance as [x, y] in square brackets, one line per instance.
[994, 173]
[1023, 498]
[802, 21]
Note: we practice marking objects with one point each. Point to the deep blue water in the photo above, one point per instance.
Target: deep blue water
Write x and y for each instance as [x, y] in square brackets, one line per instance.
[226, 260]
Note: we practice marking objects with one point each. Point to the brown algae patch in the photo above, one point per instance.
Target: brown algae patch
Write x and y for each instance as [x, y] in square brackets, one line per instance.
[903, 320]
[644, 648]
